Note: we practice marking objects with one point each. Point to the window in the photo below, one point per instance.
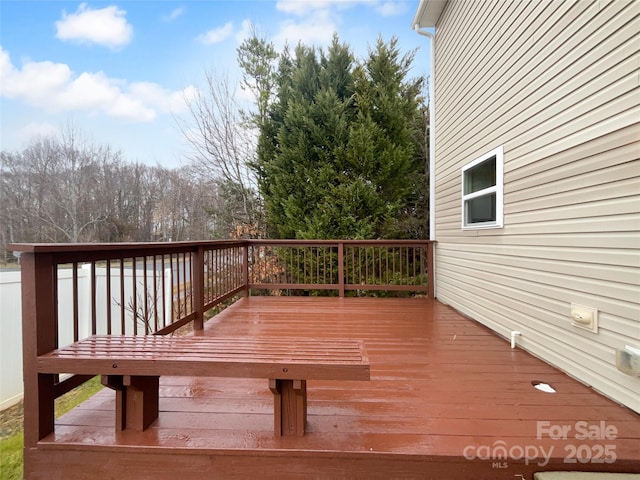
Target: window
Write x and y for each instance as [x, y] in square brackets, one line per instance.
[482, 191]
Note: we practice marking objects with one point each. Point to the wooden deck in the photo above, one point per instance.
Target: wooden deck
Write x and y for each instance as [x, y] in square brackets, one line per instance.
[447, 399]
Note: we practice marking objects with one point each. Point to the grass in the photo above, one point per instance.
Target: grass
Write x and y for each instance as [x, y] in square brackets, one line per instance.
[77, 396]
[11, 464]
[11, 457]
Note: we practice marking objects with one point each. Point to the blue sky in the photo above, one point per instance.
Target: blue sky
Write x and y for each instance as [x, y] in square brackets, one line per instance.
[121, 70]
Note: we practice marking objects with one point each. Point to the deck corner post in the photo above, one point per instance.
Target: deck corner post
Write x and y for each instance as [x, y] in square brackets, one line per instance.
[245, 270]
[39, 336]
[430, 270]
[341, 269]
[198, 288]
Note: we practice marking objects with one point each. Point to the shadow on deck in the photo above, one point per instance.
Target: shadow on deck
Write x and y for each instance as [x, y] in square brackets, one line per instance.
[448, 399]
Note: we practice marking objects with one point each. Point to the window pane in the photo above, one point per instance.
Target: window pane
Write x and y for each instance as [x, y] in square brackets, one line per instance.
[481, 209]
[480, 177]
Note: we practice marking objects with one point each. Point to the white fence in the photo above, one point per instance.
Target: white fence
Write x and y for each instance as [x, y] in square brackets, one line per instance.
[11, 385]
[10, 339]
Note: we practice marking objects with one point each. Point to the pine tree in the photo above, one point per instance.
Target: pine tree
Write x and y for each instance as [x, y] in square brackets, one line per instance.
[315, 114]
[339, 153]
[385, 137]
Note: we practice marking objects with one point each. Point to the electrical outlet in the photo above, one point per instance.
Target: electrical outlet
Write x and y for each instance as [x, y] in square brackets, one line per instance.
[584, 317]
[628, 360]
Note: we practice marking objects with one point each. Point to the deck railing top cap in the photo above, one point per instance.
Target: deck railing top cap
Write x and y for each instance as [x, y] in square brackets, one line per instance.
[140, 248]
[93, 247]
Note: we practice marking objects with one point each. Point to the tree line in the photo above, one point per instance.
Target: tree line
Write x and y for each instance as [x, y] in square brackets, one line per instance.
[67, 189]
[331, 147]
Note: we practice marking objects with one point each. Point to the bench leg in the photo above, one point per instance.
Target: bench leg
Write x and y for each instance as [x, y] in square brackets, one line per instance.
[290, 406]
[136, 400]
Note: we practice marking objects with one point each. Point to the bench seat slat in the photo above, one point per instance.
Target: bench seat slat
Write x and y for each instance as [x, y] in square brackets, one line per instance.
[284, 358]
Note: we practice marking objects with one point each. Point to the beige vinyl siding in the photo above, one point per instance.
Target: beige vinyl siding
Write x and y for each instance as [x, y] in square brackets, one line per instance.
[558, 85]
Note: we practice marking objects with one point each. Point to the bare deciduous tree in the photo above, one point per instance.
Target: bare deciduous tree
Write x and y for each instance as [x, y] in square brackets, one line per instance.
[66, 189]
[72, 207]
[223, 145]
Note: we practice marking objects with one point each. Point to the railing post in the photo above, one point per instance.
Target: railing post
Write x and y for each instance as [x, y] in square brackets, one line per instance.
[198, 288]
[341, 269]
[39, 336]
[245, 269]
[430, 271]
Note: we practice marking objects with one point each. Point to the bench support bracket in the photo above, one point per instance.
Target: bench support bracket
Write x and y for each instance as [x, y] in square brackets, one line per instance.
[290, 406]
[136, 400]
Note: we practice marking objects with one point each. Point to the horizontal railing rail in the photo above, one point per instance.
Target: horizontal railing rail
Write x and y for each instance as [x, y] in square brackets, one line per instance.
[148, 288]
[73, 291]
[341, 265]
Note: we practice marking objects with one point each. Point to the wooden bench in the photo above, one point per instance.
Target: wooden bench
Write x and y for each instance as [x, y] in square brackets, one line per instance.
[132, 366]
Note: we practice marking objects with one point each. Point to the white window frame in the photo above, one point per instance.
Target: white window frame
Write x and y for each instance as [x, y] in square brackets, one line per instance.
[498, 189]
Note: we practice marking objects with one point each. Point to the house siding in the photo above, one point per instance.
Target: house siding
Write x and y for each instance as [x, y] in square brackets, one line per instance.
[558, 85]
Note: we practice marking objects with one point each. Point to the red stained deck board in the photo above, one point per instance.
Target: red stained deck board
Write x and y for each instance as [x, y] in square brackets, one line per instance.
[439, 383]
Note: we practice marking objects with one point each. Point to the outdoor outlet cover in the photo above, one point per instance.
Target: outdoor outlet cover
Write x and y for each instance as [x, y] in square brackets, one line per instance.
[584, 317]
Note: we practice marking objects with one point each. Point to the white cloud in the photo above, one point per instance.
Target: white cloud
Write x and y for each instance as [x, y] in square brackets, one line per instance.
[35, 80]
[315, 21]
[106, 26]
[216, 35]
[310, 32]
[311, 29]
[246, 31]
[303, 7]
[175, 13]
[37, 129]
[390, 9]
[163, 99]
[54, 87]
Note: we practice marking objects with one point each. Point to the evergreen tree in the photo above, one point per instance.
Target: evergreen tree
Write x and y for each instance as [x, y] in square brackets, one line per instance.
[339, 152]
[256, 58]
[267, 139]
[384, 146]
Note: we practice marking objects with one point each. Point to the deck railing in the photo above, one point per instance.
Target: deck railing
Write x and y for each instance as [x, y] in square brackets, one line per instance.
[156, 288]
[341, 266]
